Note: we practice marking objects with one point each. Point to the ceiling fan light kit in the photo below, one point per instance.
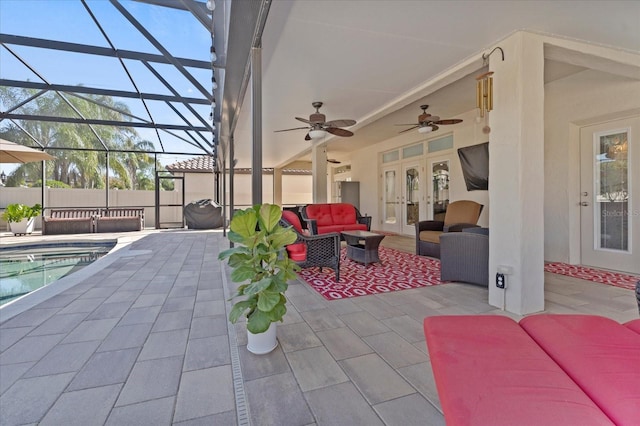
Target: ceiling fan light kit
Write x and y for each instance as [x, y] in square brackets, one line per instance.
[317, 134]
[425, 129]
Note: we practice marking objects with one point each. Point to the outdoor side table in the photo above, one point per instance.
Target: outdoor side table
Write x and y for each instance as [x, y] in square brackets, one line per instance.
[362, 246]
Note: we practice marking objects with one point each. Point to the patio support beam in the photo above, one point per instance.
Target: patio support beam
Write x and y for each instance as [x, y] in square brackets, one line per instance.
[516, 166]
[98, 91]
[256, 128]
[319, 171]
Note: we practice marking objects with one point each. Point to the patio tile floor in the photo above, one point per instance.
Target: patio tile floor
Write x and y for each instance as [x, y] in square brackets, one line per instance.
[143, 339]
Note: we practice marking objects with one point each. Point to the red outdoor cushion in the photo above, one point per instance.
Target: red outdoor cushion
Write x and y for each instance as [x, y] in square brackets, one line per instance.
[634, 325]
[600, 355]
[330, 228]
[488, 371]
[297, 252]
[321, 213]
[293, 219]
[343, 214]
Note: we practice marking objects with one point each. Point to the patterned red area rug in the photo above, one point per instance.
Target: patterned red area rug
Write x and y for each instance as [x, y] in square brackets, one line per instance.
[398, 271]
[592, 274]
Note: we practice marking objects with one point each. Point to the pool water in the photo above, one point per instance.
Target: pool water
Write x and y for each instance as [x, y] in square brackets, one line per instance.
[26, 268]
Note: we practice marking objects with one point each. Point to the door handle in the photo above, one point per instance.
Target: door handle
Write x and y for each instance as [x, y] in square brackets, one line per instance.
[585, 194]
[584, 204]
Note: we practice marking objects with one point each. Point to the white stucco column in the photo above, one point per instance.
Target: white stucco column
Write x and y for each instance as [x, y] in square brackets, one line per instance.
[277, 186]
[516, 175]
[319, 171]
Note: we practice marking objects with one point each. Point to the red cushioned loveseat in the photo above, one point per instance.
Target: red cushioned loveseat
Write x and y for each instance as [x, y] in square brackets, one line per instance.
[335, 217]
[545, 370]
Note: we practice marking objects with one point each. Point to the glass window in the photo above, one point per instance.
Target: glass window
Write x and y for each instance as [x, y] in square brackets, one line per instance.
[388, 157]
[440, 144]
[412, 151]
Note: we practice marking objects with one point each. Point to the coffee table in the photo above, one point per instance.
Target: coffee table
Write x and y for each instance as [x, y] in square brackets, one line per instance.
[362, 246]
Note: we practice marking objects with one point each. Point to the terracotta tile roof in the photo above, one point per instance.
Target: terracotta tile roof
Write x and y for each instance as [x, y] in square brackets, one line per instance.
[201, 164]
[204, 164]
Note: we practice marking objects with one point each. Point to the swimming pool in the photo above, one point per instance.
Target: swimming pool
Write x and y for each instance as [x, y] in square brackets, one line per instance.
[25, 268]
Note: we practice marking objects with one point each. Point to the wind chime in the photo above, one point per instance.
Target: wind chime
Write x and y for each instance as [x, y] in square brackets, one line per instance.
[484, 88]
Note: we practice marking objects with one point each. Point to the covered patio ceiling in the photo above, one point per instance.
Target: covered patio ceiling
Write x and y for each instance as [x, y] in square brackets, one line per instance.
[377, 61]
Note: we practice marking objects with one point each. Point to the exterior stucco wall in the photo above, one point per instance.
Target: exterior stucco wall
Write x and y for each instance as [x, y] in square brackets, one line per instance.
[586, 98]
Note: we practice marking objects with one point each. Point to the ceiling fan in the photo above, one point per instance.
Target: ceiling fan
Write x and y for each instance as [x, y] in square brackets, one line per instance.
[427, 122]
[318, 125]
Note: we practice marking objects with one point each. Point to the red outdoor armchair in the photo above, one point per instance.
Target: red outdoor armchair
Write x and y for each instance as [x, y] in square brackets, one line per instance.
[313, 250]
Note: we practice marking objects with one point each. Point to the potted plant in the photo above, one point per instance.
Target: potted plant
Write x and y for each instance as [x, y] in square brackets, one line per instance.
[21, 218]
[260, 262]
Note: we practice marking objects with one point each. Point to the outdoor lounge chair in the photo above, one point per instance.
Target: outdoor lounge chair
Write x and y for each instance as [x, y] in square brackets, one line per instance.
[313, 250]
[460, 214]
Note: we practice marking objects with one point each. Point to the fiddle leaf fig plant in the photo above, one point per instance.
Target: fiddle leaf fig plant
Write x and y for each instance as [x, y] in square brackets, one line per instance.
[261, 259]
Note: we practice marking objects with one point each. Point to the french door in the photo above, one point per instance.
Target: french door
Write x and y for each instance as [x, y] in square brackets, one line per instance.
[610, 195]
[403, 197]
[412, 197]
[438, 195]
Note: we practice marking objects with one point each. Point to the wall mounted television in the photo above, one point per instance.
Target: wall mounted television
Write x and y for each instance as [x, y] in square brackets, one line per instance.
[474, 160]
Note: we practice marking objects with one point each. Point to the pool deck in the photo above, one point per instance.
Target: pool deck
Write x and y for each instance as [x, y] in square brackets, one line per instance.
[140, 337]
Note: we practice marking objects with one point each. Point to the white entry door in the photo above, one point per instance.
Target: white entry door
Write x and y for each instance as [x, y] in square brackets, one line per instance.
[610, 195]
[391, 200]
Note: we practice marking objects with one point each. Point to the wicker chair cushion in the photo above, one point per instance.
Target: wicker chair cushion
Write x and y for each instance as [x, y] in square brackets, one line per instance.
[431, 236]
[297, 252]
[463, 211]
[293, 219]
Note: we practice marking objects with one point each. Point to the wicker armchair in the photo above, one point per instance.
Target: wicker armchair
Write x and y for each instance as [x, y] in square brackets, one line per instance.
[460, 214]
[638, 294]
[312, 250]
[464, 256]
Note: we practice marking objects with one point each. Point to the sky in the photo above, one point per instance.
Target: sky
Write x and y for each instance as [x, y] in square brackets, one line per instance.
[68, 20]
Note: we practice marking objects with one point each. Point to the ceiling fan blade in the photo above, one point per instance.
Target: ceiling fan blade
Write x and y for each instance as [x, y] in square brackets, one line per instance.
[339, 132]
[295, 128]
[340, 123]
[307, 138]
[333, 161]
[304, 120]
[434, 127]
[449, 121]
[410, 128]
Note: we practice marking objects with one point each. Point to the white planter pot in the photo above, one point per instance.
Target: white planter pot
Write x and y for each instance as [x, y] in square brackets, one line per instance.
[262, 343]
[25, 226]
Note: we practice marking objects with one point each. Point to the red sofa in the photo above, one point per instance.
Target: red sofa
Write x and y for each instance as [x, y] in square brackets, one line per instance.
[544, 370]
[335, 217]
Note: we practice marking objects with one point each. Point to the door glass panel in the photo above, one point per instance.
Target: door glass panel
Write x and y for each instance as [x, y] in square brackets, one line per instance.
[390, 196]
[440, 177]
[412, 192]
[611, 205]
